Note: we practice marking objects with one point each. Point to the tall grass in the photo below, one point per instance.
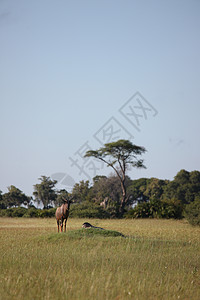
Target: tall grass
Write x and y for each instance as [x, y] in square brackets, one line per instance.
[158, 259]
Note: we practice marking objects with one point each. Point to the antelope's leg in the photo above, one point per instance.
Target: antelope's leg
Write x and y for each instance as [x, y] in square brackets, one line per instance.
[58, 224]
[61, 225]
[65, 224]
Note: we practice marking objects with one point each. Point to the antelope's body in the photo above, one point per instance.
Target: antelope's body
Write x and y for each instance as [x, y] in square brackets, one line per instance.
[62, 214]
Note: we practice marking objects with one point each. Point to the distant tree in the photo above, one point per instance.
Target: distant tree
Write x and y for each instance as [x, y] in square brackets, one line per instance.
[80, 191]
[120, 155]
[44, 192]
[195, 177]
[61, 195]
[99, 189]
[98, 178]
[15, 197]
[192, 212]
[2, 204]
[137, 189]
[182, 177]
[185, 187]
[154, 188]
[170, 190]
[107, 193]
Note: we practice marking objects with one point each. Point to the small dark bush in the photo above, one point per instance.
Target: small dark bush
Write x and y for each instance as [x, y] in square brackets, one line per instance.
[192, 212]
[18, 212]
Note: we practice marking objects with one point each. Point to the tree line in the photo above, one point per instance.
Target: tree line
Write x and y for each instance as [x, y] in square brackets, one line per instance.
[117, 195]
[148, 197]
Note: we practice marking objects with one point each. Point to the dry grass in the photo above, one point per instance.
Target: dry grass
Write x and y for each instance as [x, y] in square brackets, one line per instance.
[159, 259]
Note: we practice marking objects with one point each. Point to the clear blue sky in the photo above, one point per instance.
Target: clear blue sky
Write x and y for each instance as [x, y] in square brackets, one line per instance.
[66, 69]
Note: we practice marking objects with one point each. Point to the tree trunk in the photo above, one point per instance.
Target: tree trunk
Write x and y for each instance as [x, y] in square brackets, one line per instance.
[123, 200]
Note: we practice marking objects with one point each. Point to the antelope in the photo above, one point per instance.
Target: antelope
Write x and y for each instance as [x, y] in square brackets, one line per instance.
[62, 214]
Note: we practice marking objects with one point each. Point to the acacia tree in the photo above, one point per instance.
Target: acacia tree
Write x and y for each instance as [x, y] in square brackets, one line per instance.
[14, 198]
[119, 156]
[44, 192]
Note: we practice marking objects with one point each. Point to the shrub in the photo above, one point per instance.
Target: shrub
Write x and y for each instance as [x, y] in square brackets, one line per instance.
[2, 212]
[31, 213]
[46, 213]
[18, 212]
[14, 212]
[88, 210]
[192, 212]
[156, 209]
[27, 213]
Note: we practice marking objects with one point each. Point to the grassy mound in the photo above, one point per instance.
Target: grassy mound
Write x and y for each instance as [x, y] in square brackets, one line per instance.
[84, 233]
[93, 232]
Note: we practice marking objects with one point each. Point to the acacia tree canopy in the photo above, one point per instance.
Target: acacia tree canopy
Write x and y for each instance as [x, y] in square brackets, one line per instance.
[119, 156]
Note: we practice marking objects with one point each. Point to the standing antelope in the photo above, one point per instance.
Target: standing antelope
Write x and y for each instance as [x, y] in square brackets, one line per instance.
[62, 214]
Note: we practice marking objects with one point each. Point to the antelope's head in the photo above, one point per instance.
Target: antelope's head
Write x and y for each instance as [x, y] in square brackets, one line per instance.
[67, 202]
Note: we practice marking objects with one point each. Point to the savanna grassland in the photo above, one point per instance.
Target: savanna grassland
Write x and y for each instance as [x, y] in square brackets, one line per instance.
[157, 259]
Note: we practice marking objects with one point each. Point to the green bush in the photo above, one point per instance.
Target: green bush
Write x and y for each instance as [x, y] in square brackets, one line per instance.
[3, 212]
[14, 212]
[31, 213]
[156, 209]
[46, 213]
[192, 212]
[88, 210]
[17, 212]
